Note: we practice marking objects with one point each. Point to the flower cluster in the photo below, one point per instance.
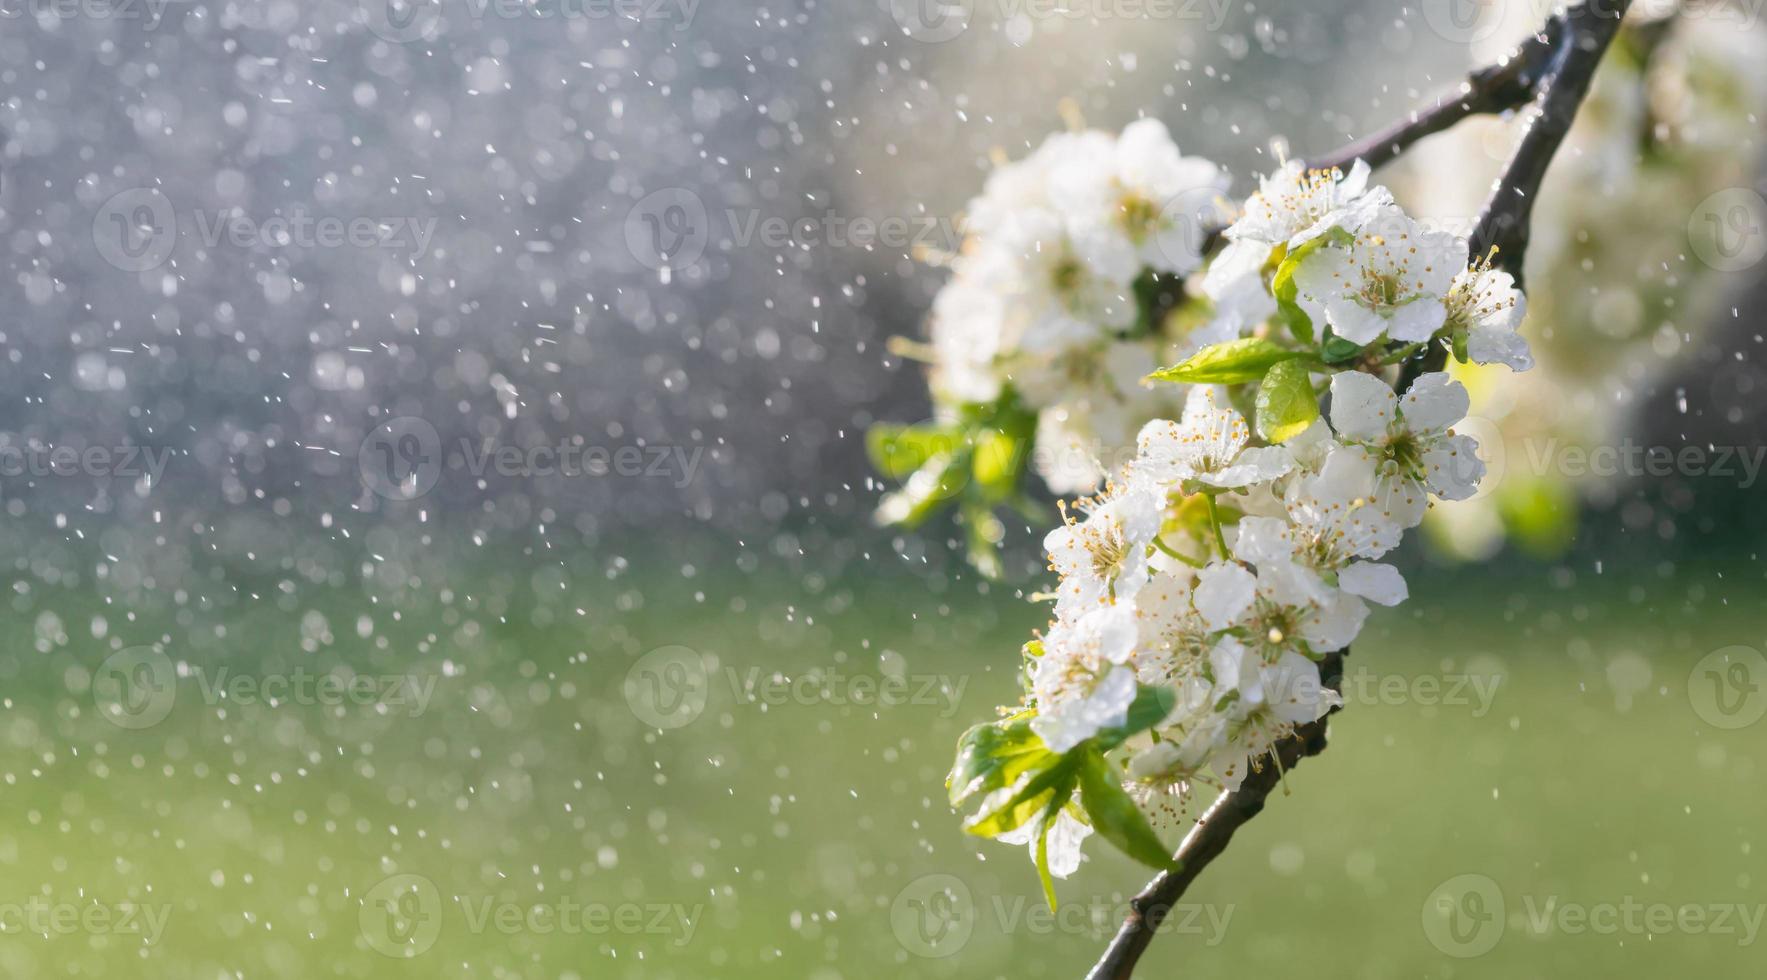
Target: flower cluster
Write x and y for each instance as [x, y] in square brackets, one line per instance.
[1202, 589]
[1088, 263]
[1049, 301]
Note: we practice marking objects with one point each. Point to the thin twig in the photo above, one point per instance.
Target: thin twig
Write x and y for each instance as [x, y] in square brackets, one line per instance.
[1504, 221]
[1555, 68]
[1509, 83]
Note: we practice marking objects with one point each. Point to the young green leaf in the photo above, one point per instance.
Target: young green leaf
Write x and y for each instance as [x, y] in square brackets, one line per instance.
[926, 491]
[1153, 702]
[898, 450]
[999, 461]
[1227, 363]
[1115, 816]
[993, 755]
[1337, 350]
[1043, 875]
[1052, 787]
[982, 532]
[1287, 403]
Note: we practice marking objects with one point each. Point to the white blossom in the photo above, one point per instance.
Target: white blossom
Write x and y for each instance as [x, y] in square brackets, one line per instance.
[1295, 205]
[1484, 302]
[1390, 278]
[1414, 451]
[1208, 446]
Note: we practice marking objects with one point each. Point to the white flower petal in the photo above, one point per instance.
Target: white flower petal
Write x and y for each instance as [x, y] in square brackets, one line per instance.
[1063, 846]
[1499, 345]
[1375, 582]
[1223, 592]
[1362, 406]
[1433, 403]
[1416, 321]
[1262, 540]
[1454, 468]
[1334, 625]
[1260, 464]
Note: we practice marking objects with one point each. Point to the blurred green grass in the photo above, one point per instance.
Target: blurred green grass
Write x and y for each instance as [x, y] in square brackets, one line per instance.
[799, 829]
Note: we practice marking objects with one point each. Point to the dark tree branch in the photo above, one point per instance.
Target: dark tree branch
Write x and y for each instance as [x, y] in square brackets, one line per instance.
[1552, 72]
[1510, 83]
[1503, 224]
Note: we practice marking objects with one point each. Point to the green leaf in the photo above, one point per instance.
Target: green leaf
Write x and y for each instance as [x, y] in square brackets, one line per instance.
[1043, 875]
[1051, 789]
[897, 451]
[1337, 350]
[1153, 702]
[1287, 403]
[993, 755]
[926, 491]
[1227, 363]
[1283, 287]
[983, 533]
[999, 461]
[1115, 816]
[1296, 320]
